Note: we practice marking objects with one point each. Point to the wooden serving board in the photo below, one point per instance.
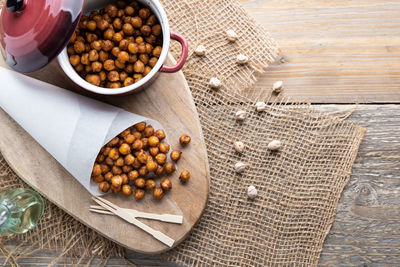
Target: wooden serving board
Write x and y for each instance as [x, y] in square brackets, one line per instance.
[169, 101]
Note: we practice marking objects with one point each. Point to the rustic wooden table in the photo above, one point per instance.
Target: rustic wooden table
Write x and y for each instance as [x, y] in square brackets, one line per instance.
[336, 53]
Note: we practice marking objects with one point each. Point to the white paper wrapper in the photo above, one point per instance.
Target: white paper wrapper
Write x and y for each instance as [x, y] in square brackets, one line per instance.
[71, 127]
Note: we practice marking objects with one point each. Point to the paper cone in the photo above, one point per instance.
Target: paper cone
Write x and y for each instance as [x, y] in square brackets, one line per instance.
[71, 127]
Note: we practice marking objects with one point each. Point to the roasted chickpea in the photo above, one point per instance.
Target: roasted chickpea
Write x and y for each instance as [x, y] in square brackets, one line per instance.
[114, 85]
[103, 76]
[98, 178]
[161, 158]
[100, 158]
[91, 25]
[71, 50]
[164, 147]
[130, 138]
[123, 44]
[114, 154]
[123, 56]
[129, 10]
[115, 51]
[128, 81]
[96, 170]
[79, 47]
[158, 193]
[139, 193]
[133, 175]
[83, 22]
[184, 139]
[119, 64]
[148, 131]
[107, 18]
[111, 10]
[143, 171]
[109, 161]
[108, 176]
[87, 48]
[93, 79]
[79, 67]
[153, 141]
[129, 159]
[159, 171]
[116, 170]
[104, 187]
[133, 48]
[142, 156]
[85, 59]
[116, 181]
[115, 190]
[117, 37]
[150, 184]
[113, 76]
[113, 142]
[104, 168]
[145, 142]
[144, 58]
[102, 24]
[166, 184]
[126, 190]
[93, 55]
[124, 149]
[97, 18]
[88, 69]
[169, 167]
[156, 30]
[151, 20]
[144, 13]
[160, 134]
[75, 60]
[142, 48]
[109, 34]
[147, 70]
[136, 164]
[97, 66]
[139, 40]
[127, 169]
[157, 51]
[125, 179]
[107, 45]
[140, 126]
[139, 66]
[153, 151]
[151, 166]
[91, 37]
[185, 176]
[145, 30]
[176, 155]
[140, 182]
[129, 68]
[128, 29]
[103, 56]
[117, 24]
[153, 61]
[136, 22]
[80, 39]
[152, 39]
[120, 13]
[137, 145]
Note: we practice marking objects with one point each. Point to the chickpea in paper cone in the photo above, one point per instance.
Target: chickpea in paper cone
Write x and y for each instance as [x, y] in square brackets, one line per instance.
[71, 127]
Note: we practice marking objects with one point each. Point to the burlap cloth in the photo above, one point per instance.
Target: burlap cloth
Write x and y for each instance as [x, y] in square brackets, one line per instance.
[299, 186]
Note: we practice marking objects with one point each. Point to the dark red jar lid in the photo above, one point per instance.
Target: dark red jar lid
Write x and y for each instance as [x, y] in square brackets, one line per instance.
[34, 32]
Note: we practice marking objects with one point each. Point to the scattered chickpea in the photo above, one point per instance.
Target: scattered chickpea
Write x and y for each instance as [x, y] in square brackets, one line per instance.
[176, 155]
[104, 187]
[185, 176]
[160, 134]
[169, 167]
[139, 193]
[153, 141]
[150, 184]
[127, 190]
[158, 193]
[140, 182]
[154, 151]
[166, 184]
[151, 166]
[116, 181]
[133, 175]
[185, 139]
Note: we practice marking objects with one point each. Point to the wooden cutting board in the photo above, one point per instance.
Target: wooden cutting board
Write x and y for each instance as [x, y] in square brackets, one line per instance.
[169, 101]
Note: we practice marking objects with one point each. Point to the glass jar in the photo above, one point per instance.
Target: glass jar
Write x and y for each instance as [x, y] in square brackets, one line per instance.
[20, 210]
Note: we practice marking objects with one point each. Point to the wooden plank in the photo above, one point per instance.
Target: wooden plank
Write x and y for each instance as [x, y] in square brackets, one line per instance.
[167, 100]
[366, 228]
[333, 51]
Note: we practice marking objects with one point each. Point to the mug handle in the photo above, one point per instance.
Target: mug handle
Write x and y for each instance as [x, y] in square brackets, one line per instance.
[184, 43]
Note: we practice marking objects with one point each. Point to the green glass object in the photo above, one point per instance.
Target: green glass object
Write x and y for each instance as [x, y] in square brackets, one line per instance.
[20, 210]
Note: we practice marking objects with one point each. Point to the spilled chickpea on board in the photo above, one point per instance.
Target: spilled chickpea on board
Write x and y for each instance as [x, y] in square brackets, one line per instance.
[132, 162]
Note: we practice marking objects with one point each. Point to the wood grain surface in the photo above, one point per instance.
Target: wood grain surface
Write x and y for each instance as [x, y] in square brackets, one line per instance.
[169, 101]
[341, 51]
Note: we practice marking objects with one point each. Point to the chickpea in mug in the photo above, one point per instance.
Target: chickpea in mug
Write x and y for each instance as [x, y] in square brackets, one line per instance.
[116, 46]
